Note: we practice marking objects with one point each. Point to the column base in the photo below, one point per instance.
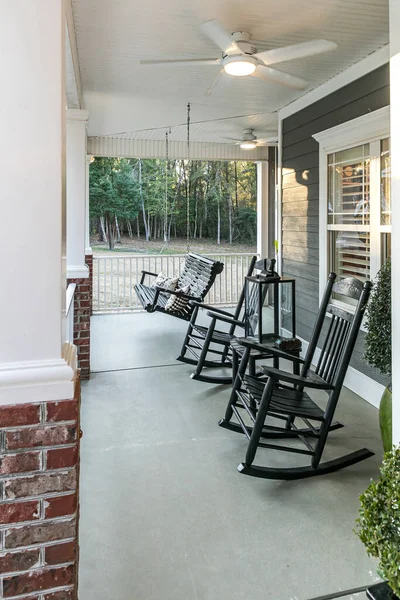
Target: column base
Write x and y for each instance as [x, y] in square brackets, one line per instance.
[40, 510]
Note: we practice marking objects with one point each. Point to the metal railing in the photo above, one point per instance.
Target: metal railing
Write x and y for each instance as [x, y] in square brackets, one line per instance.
[115, 276]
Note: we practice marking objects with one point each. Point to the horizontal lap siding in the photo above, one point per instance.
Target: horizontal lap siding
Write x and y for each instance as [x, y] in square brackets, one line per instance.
[300, 190]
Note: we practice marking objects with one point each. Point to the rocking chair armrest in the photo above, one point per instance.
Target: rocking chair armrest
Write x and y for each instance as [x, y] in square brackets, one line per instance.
[271, 349]
[225, 313]
[309, 382]
[144, 273]
[230, 320]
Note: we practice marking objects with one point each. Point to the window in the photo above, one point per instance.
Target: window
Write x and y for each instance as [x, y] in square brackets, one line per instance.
[355, 204]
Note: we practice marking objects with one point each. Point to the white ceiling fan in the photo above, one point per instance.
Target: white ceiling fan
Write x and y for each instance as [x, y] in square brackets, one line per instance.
[250, 141]
[240, 57]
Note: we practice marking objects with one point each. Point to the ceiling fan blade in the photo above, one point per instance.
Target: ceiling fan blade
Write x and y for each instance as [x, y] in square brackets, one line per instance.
[232, 140]
[217, 84]
[215, 32]
[267, 136]
[267, 141]
[277, 55]
[185, 61]
[268, 74]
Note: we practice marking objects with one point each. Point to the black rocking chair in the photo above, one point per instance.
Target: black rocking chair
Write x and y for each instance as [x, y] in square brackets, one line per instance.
[198, 275]
[199, 338]
[281, 395]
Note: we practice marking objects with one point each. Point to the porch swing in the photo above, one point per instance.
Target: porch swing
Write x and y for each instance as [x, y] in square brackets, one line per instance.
[173, 296]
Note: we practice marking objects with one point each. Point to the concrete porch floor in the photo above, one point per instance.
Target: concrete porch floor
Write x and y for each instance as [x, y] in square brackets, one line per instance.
[164, 513]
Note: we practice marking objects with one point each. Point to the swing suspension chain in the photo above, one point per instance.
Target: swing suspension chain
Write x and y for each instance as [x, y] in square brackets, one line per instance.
[166, 188]
[187, 189]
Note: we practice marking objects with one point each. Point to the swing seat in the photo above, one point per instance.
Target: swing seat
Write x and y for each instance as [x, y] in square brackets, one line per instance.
[198, 275]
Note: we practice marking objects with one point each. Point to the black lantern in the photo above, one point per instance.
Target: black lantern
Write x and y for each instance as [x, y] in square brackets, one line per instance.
[270, 313]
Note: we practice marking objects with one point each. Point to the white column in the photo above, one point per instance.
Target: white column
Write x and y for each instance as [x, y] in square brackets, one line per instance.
[32, 149]
[88, 249]
[262, 208]
[395, 192]
[76, 193]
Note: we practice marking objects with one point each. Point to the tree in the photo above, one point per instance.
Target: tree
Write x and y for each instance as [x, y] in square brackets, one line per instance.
[127, 193]
[113, 194]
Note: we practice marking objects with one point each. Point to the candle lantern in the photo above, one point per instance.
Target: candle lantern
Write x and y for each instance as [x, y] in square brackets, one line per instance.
[270, 313]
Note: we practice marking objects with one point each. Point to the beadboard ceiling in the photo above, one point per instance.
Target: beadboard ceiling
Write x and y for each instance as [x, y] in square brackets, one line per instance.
[138, 102]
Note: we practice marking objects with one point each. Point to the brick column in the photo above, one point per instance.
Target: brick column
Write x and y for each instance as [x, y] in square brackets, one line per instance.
[82, 313]
[39, 461]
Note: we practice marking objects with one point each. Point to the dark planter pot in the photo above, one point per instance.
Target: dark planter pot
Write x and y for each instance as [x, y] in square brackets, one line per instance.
[385, 418]
[381, 591]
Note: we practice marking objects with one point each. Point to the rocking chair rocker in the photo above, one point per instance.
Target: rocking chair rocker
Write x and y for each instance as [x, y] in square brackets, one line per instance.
[281, 395]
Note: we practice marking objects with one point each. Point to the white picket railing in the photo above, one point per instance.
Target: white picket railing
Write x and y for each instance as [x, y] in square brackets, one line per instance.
[115, 276]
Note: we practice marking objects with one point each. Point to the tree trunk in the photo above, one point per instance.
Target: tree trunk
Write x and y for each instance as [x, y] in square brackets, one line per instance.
[110, 228]
[149, 226]
[236, 190]
[230, 216]
[129, 228]
[177, 190]
[146, 228]
[219, 224]
[195, 212]
[103, 231]
[117, 231]
[138, 226]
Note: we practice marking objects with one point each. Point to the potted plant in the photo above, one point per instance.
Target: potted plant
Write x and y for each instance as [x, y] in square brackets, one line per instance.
[378, 526]
[378, 344]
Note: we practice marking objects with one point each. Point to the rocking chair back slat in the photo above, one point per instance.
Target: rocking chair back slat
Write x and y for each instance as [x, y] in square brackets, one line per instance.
[312, 346]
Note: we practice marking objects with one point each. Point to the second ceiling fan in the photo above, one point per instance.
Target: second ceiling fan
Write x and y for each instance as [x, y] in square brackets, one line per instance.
[249, 141]
[240, 57]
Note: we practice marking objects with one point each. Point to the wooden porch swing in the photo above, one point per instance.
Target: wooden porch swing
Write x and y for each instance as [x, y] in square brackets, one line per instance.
[196, 278]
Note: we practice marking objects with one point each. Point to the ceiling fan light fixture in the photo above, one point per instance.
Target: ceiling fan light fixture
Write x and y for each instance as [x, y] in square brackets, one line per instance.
[239, 66]
[249, 145]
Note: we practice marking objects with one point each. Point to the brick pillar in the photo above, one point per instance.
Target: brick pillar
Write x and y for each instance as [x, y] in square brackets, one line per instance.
[82, 312]
[39, 462]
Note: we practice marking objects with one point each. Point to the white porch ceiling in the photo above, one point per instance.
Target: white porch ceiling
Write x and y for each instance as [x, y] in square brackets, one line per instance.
[138, 102]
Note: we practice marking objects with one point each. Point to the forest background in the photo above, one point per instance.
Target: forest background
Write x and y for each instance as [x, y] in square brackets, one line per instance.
[147, 199]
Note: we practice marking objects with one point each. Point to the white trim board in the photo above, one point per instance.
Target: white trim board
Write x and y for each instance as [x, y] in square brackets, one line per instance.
[36, 381]
[71, 40]
[366, 65]
[362, 130]
[355, 132]
[135, 148]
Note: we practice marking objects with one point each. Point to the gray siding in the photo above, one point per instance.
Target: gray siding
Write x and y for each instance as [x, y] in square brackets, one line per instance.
[300, 190]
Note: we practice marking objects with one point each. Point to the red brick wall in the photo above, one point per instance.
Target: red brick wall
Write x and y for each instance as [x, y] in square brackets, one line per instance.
[39, 473]
[83, 310]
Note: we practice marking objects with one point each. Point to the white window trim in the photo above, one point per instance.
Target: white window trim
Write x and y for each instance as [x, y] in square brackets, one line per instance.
[359, 131]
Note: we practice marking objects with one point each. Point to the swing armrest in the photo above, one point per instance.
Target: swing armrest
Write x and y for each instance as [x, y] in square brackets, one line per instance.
[270, 349]
[144, 273]
[230, 320]
[176, 293]
[312, 381]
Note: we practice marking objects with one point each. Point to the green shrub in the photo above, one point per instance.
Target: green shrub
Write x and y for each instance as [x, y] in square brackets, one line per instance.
[378, 339]
[378, 525]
